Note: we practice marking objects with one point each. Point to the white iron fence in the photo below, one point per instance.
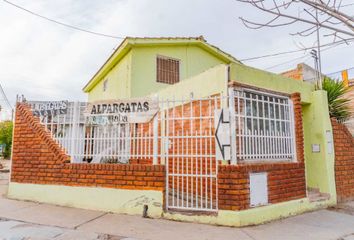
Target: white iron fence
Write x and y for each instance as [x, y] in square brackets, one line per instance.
[182, 136]
[97, 143]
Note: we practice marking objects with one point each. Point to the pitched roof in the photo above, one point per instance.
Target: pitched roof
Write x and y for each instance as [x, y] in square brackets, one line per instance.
[129, 42]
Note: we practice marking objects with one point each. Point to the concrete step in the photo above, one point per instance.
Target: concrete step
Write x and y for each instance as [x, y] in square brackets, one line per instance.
[314, 195]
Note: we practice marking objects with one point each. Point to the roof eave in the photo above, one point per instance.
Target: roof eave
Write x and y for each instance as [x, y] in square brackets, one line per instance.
[115, 57]
[127, 44]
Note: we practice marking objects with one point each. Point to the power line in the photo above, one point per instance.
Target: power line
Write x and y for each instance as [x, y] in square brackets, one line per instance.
[5, 97]
[61, 23]
[2, 92]
[295, 51]
[306, 56]
[280, 64]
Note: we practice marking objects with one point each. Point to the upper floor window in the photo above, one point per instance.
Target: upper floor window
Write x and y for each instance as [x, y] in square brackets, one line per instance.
[167, 70]
[105, 85]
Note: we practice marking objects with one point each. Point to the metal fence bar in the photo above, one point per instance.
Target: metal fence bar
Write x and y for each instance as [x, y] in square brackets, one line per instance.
[181, 136]
[265, 126]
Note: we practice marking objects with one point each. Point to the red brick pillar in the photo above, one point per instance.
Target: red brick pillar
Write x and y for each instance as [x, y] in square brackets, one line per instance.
[299, 133]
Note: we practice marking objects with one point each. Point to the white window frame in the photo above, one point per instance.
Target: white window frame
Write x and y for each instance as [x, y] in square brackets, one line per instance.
[254, 145]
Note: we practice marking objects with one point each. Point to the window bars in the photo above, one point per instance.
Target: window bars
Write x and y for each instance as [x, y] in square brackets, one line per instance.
[167, 70]
[264, 126]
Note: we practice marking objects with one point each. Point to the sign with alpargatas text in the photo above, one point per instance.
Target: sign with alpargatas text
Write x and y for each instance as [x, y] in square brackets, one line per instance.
[138, 110]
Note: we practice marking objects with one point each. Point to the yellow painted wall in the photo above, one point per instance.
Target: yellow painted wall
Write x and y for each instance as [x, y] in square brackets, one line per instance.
[102, 199]
[193, 61]
[132, 201]
[135, 74]
[319, 166]
[253, 216]
[212, 81]
[259, 78]
[118, 82]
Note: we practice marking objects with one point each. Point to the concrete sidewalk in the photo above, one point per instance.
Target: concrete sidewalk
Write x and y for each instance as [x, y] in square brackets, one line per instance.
[28, 220]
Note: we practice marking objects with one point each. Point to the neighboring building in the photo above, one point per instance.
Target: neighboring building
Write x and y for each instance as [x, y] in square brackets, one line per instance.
[305, 73]
[242, 145]
[302, 72]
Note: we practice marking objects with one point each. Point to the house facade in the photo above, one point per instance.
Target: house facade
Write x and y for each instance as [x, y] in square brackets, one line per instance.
[241, 145]
[133, 69]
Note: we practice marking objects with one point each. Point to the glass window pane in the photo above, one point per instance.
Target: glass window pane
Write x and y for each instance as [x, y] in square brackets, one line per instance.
[266, 110]
[282, 114]
[248, 125]
[248, 107]
[276, 112]
[260, 109]
[254, 108]
[255, 126]
[271, 110]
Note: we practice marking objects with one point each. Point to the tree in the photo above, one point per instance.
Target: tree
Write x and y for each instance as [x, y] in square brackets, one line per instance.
[338, 105]
[316, 14]
[6, 136]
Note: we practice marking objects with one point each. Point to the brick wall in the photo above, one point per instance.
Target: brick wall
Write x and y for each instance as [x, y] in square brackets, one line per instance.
[286, 180]
[344, 161]
[299, 133]
[38, 159]
[296, 73]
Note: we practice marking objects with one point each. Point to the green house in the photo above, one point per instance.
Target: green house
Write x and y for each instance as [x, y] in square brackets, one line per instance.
[133, 69]
[190, 68]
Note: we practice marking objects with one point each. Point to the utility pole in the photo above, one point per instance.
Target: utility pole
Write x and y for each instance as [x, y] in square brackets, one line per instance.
[319, 51]
[313, 54]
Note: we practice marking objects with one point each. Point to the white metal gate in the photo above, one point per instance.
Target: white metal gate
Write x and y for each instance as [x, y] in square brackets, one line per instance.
[191, 166]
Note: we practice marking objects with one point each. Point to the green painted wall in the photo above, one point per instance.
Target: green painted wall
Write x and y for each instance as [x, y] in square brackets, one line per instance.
[319, 165]
[316, 121]
[204, 74]
[193, 60]
[118, 82]
[259, 78]
[208, 83]
[102, 199]
[131, 202]
[135, 74]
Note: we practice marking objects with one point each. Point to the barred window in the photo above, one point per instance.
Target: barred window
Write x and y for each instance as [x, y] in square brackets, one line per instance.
[264, 126]
[167, 70]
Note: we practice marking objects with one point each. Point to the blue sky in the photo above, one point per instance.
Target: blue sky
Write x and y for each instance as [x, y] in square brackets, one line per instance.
[45, 61]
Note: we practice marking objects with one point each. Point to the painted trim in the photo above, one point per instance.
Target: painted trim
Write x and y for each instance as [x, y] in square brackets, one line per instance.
[132, 202]
[253, 216]
[101, 199]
